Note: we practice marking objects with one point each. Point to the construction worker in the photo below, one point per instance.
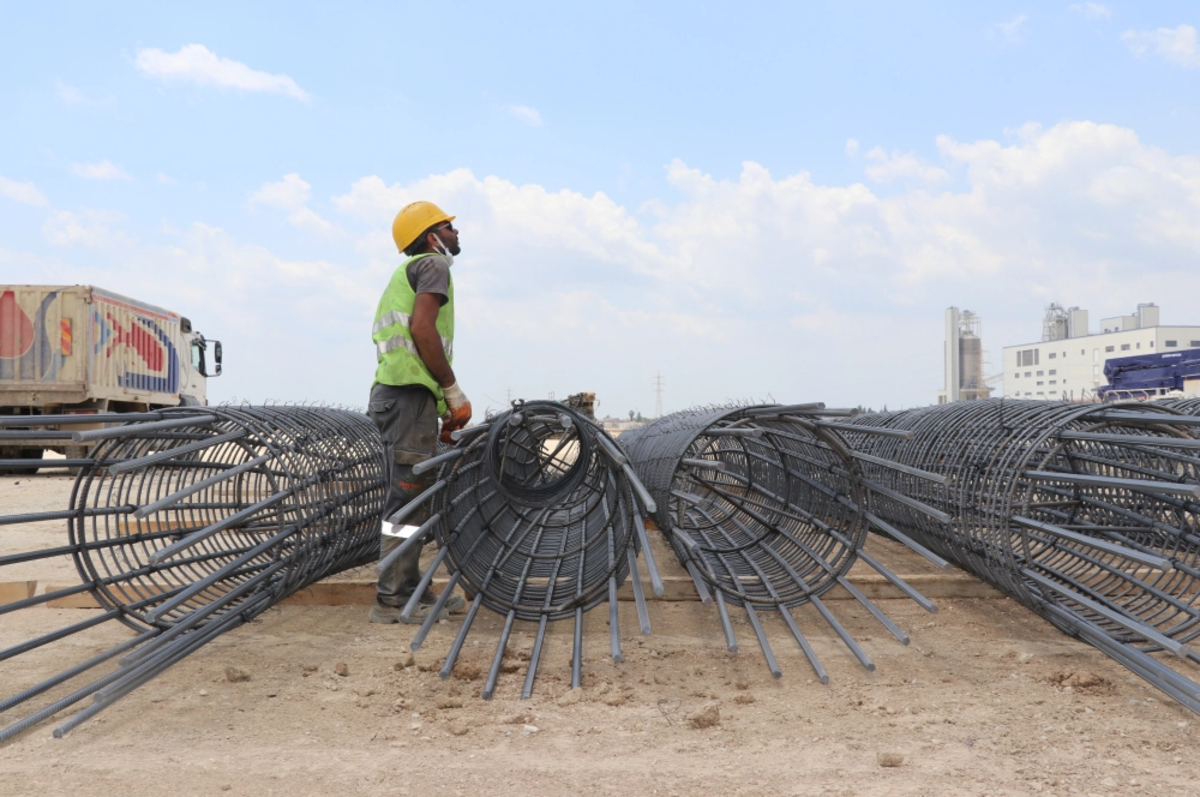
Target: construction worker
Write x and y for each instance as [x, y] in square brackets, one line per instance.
[414, 387]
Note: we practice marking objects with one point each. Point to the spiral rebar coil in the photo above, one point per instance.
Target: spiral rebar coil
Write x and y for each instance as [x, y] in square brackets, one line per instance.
[765, 508]
[1087, 514]
[196, 520]
[536, 516]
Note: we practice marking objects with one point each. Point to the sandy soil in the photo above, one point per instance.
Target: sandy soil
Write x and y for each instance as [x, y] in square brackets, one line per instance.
[988, 699]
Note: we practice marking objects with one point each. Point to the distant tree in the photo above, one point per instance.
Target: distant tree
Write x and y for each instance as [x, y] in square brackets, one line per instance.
[631, 415]
[639, 417]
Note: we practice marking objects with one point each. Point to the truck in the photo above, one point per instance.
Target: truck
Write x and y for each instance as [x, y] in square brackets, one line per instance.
[1173, 374]
[67, 349]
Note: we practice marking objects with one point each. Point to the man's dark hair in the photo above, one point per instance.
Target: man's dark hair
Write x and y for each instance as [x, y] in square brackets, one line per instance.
[420, 246]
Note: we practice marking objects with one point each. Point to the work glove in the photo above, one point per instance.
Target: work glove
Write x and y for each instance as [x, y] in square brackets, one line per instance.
[459, 411]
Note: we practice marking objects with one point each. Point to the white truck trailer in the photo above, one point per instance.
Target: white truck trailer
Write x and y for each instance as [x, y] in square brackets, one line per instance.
[80, 349]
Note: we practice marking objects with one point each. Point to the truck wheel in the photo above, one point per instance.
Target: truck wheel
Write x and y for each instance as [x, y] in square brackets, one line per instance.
[190, 401]
[19, 453]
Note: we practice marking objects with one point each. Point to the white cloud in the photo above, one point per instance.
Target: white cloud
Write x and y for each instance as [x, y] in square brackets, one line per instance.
[90, 228]
[885, 168]
[70, 95]
[852, 147]
[1072, 212]
[104, 170]
[817, 292]
[1009, 31]
[164, 179]
[292, 194]
[287, 194]
[1177, 45]
[197, 64]
[1092, 10]
[25, 192]
[308, 219]
[524, 113]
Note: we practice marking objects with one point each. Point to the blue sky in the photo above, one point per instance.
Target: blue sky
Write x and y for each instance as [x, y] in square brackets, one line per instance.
[756, 200]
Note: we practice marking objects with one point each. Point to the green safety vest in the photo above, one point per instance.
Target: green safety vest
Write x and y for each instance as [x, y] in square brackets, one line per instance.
[395, 350]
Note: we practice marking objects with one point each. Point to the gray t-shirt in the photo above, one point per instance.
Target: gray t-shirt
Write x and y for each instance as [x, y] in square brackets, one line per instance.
[430, 275]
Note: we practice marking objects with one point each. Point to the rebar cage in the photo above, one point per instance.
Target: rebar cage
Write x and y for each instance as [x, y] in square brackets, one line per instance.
[767, 510]
[192, 521]
[537, 518]
[1086, 514]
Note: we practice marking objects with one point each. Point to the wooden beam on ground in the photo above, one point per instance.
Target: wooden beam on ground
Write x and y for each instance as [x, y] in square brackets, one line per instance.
[11, 591]
[361, 592]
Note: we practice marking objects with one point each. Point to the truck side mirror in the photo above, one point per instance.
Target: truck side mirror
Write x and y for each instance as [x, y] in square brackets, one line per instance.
[217, 357]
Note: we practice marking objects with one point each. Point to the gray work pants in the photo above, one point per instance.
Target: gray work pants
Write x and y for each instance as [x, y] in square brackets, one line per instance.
[407, 421]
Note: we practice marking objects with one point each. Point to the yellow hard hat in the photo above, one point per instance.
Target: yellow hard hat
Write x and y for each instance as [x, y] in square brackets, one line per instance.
[414, 219]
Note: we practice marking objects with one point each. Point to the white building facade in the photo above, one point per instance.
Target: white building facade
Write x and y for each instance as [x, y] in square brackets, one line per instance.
[1071, 366]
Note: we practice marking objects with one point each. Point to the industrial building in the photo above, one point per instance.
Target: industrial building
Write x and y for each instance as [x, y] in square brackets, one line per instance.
[1068, 362]
[964, 358]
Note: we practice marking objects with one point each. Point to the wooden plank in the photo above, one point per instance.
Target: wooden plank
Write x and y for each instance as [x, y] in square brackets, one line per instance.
[340, 593]
[11, 591]
[361, 592]
[81, 600]
[84, 600]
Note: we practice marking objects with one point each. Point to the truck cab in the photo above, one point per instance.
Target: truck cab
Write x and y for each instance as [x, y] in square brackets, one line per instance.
[203, 361]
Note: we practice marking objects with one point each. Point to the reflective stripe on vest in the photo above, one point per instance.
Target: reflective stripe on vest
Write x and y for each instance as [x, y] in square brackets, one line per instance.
[399, 361]
[399, 341]
[394, 317]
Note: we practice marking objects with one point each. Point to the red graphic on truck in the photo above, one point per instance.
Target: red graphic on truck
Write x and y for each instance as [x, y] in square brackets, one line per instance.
[151, 360]
[25, 350]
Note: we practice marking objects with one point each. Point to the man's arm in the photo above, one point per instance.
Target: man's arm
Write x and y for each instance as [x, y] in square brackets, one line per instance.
[429, 347]
[429, 342]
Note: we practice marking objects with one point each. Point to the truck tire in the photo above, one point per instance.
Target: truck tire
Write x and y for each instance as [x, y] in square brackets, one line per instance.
[19, 453]
[190, 401]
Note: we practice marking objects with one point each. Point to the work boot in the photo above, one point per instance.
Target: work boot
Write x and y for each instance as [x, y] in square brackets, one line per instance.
[454, 604]
[391, 614]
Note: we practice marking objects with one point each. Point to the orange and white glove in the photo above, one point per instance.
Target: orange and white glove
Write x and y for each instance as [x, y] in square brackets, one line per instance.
[459, 411]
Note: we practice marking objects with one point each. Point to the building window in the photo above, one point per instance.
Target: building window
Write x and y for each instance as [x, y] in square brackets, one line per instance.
[1170, 344]
[1082, 351]
[1139, 344]
[1053, 355]
[1054, 381]
[1195, 344]
[1040, 373]
[1028, 373]
[1039, 384]
[1040, 393]
[1053, 371]
[1027, 393]
[1124, 347]
[1054, 392]
[1108, 348]
[1017, 375]
[1027, 357]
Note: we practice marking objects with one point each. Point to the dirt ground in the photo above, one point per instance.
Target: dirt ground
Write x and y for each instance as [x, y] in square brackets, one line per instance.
[988, 699]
